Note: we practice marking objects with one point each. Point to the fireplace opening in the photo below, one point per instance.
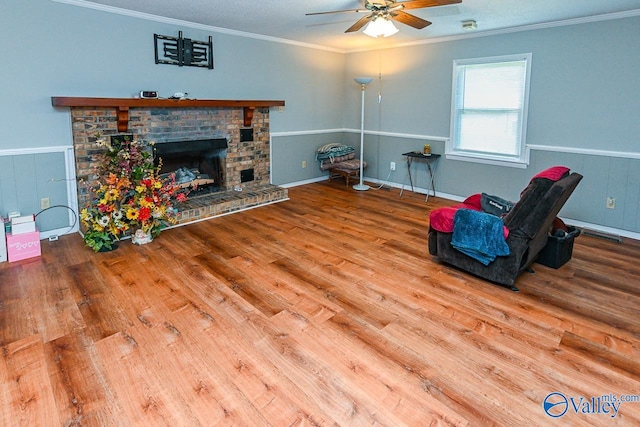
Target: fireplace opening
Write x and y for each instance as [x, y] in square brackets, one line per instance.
[198, 164]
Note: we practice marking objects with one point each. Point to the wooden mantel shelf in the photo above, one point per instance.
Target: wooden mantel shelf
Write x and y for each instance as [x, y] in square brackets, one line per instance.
[122, 105]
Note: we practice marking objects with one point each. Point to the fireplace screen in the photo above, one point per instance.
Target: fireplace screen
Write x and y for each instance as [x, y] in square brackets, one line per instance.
[198, 164]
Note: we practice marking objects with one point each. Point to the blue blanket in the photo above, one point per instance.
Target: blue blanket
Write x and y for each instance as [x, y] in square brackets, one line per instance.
[479, 235]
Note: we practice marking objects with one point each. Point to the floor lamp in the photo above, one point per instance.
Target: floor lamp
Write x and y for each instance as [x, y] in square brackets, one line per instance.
[363, 81]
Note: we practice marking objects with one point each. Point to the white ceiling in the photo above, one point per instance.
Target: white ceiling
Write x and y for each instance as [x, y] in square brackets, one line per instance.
[285, 19]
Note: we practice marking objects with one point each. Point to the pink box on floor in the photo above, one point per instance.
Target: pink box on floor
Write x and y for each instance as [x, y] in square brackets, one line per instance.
[23, 246]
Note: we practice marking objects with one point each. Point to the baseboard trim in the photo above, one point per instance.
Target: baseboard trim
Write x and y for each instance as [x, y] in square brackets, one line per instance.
[602, 229]
[305, 182]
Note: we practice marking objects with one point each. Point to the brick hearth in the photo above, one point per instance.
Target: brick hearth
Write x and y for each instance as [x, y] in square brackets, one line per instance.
[181, 124]
[222, 203]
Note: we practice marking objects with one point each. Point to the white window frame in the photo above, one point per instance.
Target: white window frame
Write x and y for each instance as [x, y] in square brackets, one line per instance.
[451, 147]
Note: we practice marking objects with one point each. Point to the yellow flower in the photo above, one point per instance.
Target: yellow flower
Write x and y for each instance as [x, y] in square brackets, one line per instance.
[112, 194]
[146, 203]
[132, 213]
[85, 215]
[140, 188]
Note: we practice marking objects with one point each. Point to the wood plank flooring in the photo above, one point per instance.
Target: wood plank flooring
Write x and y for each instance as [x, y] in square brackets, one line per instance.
[322, 310]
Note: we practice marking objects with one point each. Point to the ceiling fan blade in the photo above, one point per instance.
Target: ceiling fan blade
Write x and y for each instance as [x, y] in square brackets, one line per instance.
[336, 11]
[419, 4]
[359, 23]
[410, 20]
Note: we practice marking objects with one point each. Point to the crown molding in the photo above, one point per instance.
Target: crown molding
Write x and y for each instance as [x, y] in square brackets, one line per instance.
[502, 31]
[188, 24]
[475, 34]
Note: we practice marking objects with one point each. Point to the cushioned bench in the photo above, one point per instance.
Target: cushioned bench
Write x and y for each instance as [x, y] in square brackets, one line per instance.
[340, 161]
[347, 170]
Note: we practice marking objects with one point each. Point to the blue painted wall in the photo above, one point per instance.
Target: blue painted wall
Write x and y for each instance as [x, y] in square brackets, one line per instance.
[583, 113]
[57, 49]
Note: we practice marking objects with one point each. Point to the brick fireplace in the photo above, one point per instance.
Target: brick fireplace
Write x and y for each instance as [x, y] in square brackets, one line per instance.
[246, 129]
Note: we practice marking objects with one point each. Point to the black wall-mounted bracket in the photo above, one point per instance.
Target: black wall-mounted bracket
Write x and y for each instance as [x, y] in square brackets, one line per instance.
[183, 52]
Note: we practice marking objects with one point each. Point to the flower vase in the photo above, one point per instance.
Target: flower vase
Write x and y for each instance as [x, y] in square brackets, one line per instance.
[141, 238]
[110, 248]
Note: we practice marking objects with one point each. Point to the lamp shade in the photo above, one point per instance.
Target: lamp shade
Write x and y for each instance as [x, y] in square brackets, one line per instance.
[363, 80]
[380, 27]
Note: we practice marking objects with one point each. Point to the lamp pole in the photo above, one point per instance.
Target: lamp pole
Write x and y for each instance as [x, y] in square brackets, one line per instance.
[363, 81]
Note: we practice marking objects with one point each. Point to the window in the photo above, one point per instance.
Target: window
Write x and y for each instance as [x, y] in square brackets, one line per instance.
[489, 110]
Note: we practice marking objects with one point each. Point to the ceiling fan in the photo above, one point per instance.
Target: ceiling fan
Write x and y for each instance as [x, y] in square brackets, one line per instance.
[388, 10]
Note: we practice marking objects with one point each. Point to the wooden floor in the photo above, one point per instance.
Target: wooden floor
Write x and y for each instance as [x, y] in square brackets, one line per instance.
[322, 310]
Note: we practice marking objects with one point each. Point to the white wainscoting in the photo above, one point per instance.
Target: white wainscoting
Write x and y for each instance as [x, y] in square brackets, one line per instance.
[69, 178]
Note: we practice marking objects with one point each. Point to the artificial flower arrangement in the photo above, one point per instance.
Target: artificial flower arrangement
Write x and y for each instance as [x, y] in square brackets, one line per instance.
[130, 195]
[104, 217]
[150, 204]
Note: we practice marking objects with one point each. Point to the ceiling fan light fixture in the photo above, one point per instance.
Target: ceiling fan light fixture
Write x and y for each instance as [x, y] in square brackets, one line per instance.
[380, 27]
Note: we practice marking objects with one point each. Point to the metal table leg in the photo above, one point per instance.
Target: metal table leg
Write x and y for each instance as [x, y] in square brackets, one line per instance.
[432, 177]
[409, 161]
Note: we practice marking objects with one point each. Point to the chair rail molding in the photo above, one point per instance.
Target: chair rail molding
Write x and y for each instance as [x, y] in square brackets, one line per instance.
[587, 151]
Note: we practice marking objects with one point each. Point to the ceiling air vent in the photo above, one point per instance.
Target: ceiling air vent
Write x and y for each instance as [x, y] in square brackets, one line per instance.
[469, 25]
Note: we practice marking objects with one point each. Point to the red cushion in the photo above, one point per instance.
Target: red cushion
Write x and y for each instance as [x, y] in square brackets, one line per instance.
[441, 219]
[559, 224]
[473, 202]
[554, 173]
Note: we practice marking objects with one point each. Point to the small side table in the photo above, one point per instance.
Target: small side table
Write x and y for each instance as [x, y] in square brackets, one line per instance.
[430, 161]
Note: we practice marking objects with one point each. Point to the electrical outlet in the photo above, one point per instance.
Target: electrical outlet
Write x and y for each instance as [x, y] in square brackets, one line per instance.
[393, 166]
[611, 203]
[280, 109]
[45, 203]
[304, 164]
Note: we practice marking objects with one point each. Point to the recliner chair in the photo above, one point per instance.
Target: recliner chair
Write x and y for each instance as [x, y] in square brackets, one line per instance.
[528, 225]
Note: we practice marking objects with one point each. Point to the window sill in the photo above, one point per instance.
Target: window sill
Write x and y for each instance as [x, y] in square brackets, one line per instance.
[489, 161]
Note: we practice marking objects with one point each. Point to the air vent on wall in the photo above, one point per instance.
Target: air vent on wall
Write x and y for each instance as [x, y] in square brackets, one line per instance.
[246, 134]
[246, 175]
